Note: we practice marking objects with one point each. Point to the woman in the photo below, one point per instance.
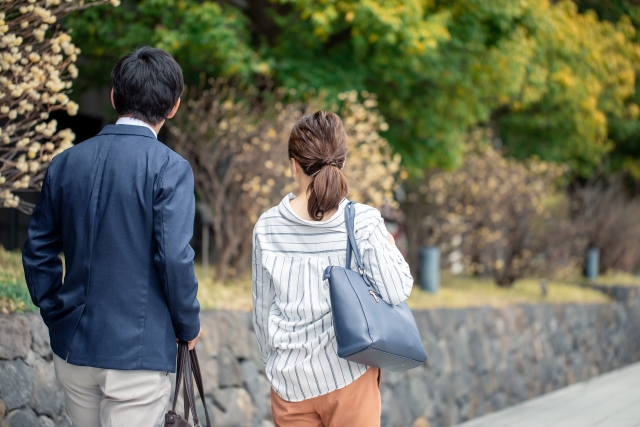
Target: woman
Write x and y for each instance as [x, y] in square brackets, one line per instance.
[293, 243]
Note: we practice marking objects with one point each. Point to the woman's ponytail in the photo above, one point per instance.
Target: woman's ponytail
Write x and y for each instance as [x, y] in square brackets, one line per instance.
[318, 142]
[326, 189]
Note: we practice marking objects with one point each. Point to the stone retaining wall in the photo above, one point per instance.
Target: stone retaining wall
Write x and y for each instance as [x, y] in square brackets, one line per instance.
[481, 360]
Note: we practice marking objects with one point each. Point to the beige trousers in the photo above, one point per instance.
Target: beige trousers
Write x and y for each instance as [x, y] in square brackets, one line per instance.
[113, 398]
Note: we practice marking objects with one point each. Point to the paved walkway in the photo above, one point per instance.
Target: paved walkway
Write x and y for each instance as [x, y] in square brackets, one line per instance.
[609, 400]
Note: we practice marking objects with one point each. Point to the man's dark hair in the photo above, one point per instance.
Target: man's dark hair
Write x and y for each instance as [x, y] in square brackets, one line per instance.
[146, 84]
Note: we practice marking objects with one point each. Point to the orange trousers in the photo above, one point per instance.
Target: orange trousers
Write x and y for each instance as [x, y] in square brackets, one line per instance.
[356, 405]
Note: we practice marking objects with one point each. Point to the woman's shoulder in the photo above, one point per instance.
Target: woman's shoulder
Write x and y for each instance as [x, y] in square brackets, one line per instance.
[367, 213]
[268, 217]
[366, 221]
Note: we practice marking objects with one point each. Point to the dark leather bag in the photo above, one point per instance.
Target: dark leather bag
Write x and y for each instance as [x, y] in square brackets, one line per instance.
[188, 369]
[369, 330]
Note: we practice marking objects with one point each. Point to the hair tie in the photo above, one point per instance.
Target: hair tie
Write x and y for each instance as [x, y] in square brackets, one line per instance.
[330, 162]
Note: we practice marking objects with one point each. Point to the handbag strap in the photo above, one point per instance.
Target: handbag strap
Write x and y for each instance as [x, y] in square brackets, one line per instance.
[188, 368]
[197, 374]
[352, 246]
[188, 390]
[179, 373]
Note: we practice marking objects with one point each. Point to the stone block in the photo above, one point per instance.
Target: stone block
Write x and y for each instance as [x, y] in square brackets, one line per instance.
[64, 421]
[419, 403]
[233, 408]
[209, 343]
[24, 417]
[47, 397]
[420, 422]
[229, 372]
[460, 351]
[16, 337]
[463, 383]
[234, 333]
[46, 421]
[394, 409]
[16, 383]
[498, 401]
[435, 355]
[479, 351]
[209, 369]
[40, 334]
[255, 356]
[392, 379]
[517, 389]
[258, 387]
[424, 324]
[201, 413]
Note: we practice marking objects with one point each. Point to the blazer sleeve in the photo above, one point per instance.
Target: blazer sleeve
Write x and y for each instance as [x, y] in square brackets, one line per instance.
[41, 252]
[173, 216]
[384, 264]
[263, 297]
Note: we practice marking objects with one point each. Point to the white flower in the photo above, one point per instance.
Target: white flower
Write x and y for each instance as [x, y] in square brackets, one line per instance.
[72, 108]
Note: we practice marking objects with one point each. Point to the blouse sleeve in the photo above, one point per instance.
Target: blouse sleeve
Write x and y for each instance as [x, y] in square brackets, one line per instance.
[384, 264]
[263, 294]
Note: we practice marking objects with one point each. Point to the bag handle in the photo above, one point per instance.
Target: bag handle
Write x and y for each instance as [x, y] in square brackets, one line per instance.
[197, 374]
[352, 246]
[188, 368]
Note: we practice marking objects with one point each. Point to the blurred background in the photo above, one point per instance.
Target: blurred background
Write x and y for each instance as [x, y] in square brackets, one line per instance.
[499, 138]
[502, 135]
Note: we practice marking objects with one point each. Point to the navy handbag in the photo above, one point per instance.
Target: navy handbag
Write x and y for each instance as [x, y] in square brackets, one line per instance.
[369, 330]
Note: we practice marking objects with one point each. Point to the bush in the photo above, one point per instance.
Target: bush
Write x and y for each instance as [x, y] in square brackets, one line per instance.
[37, 66]
[609, 220]
[236, 141]
[493, 216]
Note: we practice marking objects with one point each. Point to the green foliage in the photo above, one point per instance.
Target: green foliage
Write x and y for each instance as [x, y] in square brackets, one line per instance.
[14, 295]
[544, 76]
[547, 79]
[204, 37]
[581, 74]
[623, 131]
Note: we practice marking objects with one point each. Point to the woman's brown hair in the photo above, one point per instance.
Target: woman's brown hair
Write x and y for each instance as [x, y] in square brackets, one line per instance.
[318, 142]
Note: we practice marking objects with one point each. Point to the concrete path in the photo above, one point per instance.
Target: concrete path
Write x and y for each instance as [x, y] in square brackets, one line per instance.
[609, 400]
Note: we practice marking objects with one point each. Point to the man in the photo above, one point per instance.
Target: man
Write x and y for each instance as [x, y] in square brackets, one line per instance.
[121, 208]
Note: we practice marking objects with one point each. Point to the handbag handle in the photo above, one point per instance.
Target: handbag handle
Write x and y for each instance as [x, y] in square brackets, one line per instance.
[188, 368]
[197, 374]
[352, 246]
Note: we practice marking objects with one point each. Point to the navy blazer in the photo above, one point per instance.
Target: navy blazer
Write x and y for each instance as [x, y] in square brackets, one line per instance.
[120, 206]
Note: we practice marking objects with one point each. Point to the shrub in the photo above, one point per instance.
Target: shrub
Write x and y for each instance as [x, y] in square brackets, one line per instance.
[493, 215]
[609, 220]
[37, 66]
[236, 141]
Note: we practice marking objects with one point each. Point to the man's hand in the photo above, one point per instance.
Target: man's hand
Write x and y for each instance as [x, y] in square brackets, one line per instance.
[194, 341]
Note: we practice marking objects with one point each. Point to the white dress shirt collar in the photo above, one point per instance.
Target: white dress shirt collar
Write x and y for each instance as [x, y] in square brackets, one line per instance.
[135, 122]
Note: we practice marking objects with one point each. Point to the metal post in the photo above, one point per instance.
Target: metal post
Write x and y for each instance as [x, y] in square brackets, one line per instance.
[592, 263]
[205, 250]
[430, 269]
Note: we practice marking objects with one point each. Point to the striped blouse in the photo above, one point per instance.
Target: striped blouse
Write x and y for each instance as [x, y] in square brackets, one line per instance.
[292, 310]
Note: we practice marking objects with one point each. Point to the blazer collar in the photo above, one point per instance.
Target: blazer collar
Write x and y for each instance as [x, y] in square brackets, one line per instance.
[127, 130]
